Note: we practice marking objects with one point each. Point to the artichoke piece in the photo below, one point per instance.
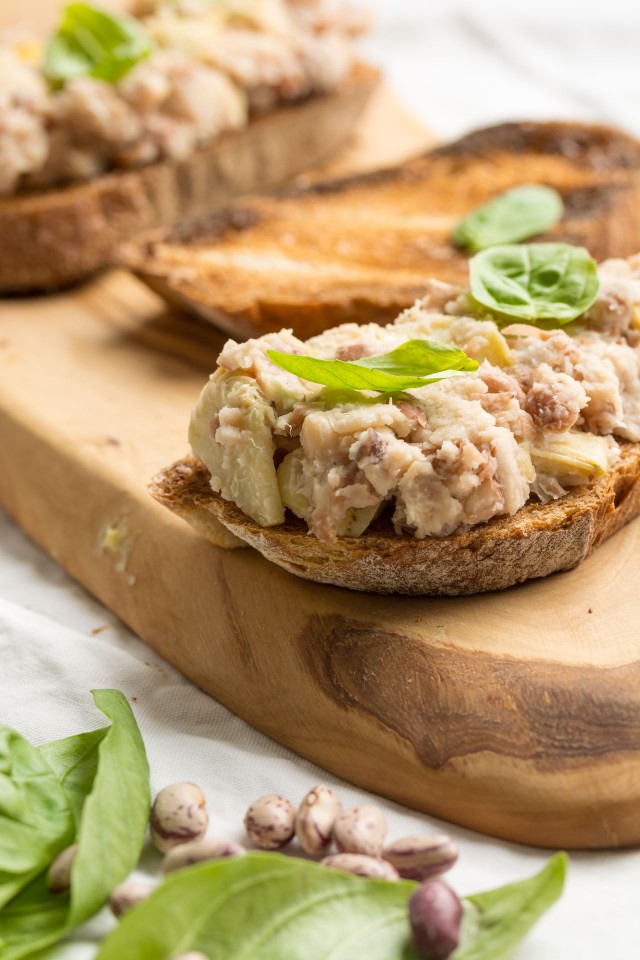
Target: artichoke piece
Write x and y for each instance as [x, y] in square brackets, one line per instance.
[525, 463]
[572, 457]
[358, 519]
[291, 484]
[489, 344]
[231, 431]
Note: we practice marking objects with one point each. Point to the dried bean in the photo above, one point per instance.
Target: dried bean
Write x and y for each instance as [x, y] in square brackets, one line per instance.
[197, 851]
[191, 955]
[361, 830]
[435, 915]
[422, 857]
[128, 895]
[270, 822]
[59, 875]
[178, 815]
[315, 819]
[361, 865]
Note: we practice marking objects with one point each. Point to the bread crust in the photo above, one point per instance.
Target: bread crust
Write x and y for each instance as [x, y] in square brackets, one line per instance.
[359, 248]
[50, 239]
[538, 540]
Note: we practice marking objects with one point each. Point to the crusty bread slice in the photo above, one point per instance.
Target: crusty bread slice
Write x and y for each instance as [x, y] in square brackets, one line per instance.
[359, 249]
[52, 238]
[538, 540]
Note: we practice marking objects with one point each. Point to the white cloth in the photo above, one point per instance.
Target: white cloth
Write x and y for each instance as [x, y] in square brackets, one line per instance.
[460, 64]
[456, 65]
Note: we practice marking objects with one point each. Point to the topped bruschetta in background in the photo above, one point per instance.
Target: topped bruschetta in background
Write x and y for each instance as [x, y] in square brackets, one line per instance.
[118, 123]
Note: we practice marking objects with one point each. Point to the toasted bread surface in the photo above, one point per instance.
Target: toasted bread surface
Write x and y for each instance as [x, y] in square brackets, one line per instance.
[538, 540]
[56, 237]
[360, 248]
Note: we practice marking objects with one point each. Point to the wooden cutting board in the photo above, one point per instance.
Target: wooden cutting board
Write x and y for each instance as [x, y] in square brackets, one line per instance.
[517, 713]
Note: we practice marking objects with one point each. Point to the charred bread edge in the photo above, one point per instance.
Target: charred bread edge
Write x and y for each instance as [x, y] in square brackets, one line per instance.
[613, 155]
[536, 541]
[564, 138]
[52, 238]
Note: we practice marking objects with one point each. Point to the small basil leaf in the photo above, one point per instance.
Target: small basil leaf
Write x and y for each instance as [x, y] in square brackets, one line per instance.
[512, 216]
[411, 365]
[36, 820]
[419, 358]
[539, 281]
[504, 916]
[74, 761]
[267, 907]
[96, 43]
[331, 397]
[112, 828]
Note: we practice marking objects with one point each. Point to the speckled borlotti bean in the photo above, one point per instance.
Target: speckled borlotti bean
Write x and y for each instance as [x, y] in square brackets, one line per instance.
[315, 819]
[435, 915]
[270, 822]
[191, 955]
[59, 875]
[361, 865]
[179, 814]
[361, 829]
[128, 895]
[197, 851]
[422, 857]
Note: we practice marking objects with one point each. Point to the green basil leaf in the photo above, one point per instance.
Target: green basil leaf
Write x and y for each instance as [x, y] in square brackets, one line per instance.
[504, 916]
[413, 364]
[512, 216]
[74, 761]
[112, 830]
[27, 922]
[417, 358]
[36, 821]
[331, 397]
[267, 907]
[91, 42]
[538, 281]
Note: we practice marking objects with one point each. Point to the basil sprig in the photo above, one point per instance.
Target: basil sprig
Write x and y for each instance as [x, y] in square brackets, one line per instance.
[413, 364]
[515, 215]
[266, 905]
[535, 282]
[94, 789]
[91, 42]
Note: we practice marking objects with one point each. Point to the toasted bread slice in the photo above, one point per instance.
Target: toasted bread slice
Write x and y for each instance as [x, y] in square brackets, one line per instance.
[538, 540]
[359, 249]
[53, 238]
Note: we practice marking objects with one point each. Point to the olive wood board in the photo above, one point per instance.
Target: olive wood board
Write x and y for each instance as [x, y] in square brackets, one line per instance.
[515, 713]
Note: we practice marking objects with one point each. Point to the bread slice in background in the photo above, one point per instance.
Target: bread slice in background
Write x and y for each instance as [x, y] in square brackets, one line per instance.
[52, 238]
[359, 249]
[538, 540]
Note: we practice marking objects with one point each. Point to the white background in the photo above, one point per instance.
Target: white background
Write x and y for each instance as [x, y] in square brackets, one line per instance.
[457, 65]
